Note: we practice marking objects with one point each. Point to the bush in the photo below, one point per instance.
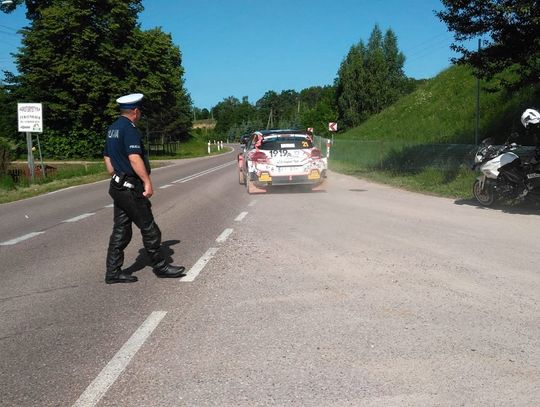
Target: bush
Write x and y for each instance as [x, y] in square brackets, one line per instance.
[6, 151]
[75, 144]
[6, 183]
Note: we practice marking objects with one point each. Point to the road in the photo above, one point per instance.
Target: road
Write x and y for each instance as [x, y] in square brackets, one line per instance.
[359, 295]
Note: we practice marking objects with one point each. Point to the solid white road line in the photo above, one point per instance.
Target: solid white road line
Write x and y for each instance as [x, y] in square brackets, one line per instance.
[165, 186]
[20, 239]
[200, 174]
[78, 218]
[197, 267]
[109, 206]
[241, 217]
[224, 235]
[97, 389]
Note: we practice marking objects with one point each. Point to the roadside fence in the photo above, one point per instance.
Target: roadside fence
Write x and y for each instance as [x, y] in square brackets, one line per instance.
[403, 156]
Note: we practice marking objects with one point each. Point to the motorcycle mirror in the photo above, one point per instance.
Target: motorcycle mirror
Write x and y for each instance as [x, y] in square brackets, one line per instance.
[487, 141]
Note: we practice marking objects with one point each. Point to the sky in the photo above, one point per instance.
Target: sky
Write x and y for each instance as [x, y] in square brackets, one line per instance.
[248, 47]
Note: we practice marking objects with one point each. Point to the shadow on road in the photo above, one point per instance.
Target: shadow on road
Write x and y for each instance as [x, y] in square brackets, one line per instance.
[142, 259]
[524, 208]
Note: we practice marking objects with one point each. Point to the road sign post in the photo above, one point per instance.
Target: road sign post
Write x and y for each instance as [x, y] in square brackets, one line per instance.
[30, 120]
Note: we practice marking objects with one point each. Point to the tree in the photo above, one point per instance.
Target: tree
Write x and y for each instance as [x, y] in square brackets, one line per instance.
[370, 78]
[78, 56]
[322, 111]
[157, 72]
[233, 114]
[350, 86]
[510, 36]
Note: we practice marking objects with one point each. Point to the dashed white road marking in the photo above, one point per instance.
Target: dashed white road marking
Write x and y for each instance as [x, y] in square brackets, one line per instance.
[241, 217]
[200, 174]
[97, 389]
[166, 186]
[224, 235]
[78, 218]
[197, 267]
[20, 239]
[109, 206]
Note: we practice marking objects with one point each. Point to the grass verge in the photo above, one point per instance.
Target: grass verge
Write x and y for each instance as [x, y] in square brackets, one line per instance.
[77, 173]
[455, 184]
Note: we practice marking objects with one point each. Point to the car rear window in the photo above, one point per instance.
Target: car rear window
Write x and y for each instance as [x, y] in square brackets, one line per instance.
[285, 143]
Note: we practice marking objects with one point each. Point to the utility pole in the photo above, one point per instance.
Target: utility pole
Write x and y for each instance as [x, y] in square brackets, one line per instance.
[270, 119]
[477, 130]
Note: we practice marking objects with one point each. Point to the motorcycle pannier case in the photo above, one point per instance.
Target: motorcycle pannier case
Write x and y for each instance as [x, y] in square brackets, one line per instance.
[534, 179]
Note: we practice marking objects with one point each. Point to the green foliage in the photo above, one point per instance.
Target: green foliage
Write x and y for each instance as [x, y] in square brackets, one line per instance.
[318, 111]
[370, 78]
[156, 65]
[77, 57]
[200, 114]
[6, 183]
[6, 151]
[510, 32]
[425, 141]
[74, 144]
[312, 107]
[232, 114]
[443, 111]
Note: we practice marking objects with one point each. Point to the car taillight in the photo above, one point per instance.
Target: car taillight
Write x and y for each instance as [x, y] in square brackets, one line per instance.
[316, 153]
[258, 157]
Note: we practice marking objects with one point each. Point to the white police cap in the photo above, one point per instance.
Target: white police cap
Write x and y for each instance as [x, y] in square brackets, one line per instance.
[130, 101]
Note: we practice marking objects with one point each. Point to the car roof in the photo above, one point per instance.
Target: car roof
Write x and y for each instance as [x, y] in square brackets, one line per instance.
[283, 131]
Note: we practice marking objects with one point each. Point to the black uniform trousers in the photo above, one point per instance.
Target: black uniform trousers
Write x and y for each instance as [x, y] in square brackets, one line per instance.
[130, 206]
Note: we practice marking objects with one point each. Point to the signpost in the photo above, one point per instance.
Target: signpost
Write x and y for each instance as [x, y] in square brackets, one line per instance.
[30, 120]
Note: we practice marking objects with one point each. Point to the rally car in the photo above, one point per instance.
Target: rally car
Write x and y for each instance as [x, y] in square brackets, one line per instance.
[280, 157]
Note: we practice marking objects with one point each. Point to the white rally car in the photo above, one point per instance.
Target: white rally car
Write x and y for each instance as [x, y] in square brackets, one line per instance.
[280, 157]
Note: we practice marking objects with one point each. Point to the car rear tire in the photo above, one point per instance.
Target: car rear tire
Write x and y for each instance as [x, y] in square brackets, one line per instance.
[249, 185]
[241, 177]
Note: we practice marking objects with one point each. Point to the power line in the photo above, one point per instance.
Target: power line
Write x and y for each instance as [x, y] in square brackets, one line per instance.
[9, 28]
[8, 33]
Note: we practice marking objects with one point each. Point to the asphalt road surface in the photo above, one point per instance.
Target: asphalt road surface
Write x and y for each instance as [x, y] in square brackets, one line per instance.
[360, 295]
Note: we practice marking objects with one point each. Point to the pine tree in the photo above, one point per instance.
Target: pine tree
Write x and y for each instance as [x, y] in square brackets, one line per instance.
[370, 78]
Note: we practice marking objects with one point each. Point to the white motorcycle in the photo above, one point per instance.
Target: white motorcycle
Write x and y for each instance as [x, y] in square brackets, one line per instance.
[504, 175]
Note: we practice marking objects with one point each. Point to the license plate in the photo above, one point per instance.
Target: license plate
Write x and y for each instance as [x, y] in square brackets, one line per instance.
[289, 170]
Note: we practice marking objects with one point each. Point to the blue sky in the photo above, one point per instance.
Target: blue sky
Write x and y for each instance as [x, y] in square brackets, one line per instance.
[247, 47]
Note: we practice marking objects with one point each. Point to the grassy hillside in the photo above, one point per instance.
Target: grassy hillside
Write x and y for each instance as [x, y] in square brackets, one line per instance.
[425, 141]
[443, 111]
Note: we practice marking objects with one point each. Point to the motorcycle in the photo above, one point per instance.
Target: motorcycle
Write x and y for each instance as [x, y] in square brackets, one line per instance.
[504, 175]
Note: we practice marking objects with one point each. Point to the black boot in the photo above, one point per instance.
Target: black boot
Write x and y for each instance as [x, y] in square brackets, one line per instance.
[170, 271]
[118, 276]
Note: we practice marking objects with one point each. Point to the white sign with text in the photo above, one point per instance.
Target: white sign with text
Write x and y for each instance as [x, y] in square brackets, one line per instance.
[30, 116]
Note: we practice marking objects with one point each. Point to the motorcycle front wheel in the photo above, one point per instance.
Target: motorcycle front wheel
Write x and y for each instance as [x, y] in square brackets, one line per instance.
[485, 196]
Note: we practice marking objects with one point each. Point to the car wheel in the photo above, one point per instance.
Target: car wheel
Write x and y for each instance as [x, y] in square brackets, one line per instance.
[241, 177]
[249, 185]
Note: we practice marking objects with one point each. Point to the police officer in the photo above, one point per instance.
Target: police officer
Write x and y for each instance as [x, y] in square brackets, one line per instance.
[130, 188]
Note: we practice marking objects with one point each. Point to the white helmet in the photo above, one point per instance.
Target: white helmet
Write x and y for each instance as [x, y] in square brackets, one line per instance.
[530, 116]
